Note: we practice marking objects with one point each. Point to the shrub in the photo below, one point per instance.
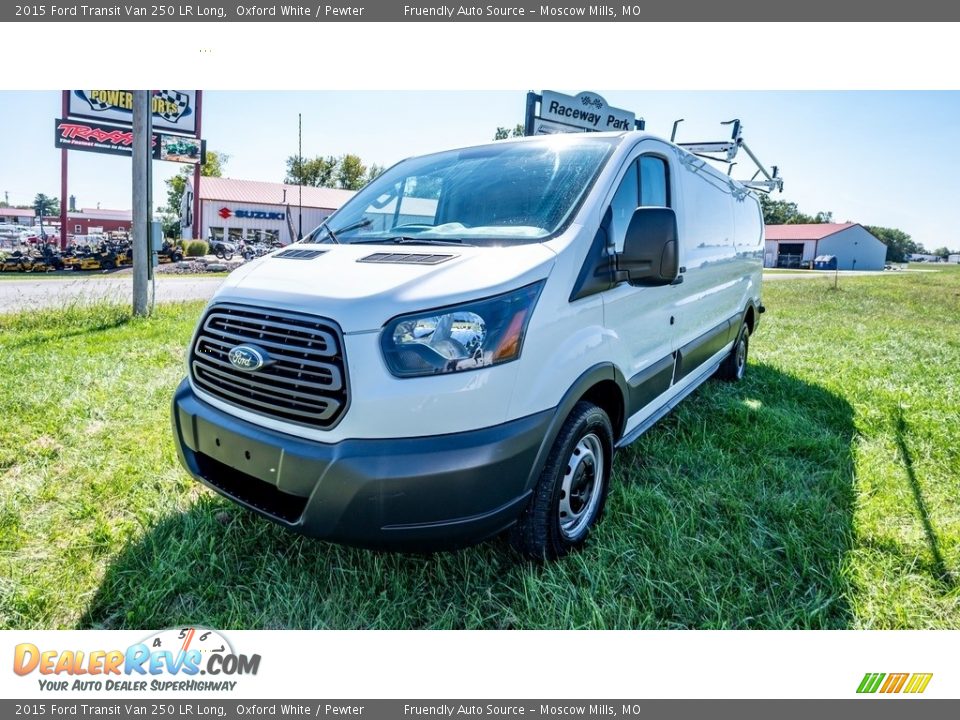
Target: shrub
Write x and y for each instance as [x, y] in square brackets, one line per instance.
[196, 248]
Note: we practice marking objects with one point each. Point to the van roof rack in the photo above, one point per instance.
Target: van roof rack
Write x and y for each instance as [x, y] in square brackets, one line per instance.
[725, 151]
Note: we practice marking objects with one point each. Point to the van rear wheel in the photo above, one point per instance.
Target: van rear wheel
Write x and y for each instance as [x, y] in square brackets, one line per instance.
[572, 489]
[734, 366]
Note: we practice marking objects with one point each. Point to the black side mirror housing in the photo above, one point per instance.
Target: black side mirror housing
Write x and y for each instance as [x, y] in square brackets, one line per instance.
[650, 253]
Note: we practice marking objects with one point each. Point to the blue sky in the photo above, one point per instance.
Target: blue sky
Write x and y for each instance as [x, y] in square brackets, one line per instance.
[879, 158]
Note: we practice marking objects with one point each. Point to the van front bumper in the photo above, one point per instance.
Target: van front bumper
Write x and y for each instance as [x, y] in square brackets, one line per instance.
[418, 493]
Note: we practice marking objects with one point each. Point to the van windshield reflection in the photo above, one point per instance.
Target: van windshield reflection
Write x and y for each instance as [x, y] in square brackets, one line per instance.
[498, 194]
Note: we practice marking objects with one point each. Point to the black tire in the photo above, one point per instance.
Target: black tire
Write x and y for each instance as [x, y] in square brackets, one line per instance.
[176, 257]
[227, 255]
[218, 253]
[734, 365]
[574, 478]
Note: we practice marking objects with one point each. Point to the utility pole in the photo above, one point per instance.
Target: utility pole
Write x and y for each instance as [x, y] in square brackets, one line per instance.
[142, 202]
[300, 178]
[64, 153]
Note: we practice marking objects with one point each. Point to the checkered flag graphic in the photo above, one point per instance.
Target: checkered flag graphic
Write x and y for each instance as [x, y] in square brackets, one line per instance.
[97, 105]
[174, 99]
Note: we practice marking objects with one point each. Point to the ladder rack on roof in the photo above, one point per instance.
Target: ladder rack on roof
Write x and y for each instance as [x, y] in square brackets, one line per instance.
[768, 180]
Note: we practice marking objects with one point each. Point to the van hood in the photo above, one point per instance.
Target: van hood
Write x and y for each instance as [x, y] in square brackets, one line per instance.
[360, 289]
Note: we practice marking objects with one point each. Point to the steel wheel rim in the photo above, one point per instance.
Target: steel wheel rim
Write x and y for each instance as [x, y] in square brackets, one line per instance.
[581, 486]
[741, 356]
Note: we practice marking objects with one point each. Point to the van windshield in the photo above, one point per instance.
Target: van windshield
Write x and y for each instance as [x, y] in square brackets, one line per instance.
[504, 193]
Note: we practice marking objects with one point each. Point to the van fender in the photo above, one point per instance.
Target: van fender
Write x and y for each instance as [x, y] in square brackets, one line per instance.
[598, 373]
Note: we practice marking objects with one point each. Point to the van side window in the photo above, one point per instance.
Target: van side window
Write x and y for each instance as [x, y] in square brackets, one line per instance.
[653, 181]
[623, 204]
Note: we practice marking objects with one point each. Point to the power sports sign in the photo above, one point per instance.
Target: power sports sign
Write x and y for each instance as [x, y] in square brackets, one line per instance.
[552, 112]
[173, 110]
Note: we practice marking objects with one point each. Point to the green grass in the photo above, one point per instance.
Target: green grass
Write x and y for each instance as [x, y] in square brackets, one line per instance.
[822, 492]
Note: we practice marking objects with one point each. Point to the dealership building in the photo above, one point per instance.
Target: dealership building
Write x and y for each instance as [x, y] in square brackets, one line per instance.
[854, 247]
[91, 221]
[261, 211]
[17, 216]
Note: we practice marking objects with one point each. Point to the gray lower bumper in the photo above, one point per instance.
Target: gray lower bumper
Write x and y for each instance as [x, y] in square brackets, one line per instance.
[408, 493]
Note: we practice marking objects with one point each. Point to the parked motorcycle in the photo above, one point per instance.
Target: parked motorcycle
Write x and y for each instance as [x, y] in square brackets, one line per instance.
[223, 249]
[251, 251]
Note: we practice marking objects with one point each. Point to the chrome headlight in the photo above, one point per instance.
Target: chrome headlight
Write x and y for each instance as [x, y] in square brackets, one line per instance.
[460, 337]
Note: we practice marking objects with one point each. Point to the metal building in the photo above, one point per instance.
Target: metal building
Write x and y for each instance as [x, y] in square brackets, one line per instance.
[795, 246]
[261, 211]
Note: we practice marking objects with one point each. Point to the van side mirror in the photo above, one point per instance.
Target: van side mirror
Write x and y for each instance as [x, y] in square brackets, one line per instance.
[650, 255]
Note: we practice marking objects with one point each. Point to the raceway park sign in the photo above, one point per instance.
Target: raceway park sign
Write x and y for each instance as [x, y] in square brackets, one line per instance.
[585, 112]
[111, 140]
[174, 110]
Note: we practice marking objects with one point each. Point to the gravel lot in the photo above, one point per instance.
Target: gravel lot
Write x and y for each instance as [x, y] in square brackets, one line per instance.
[42, 291]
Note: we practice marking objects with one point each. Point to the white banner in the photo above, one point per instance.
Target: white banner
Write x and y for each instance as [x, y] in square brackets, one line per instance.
[480, 664]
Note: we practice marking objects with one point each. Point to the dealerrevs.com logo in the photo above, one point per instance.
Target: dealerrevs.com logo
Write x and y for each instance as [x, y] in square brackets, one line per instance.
[892, 683]
[172, 659]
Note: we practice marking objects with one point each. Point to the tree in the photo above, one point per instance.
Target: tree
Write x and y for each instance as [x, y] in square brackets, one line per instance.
[943, 252]
[374, 171]
[176, 186]
[898, 243]
[347, 171]
[351, 172]
[46, 205]
[503, 133]
[784, 212]
[316, 172]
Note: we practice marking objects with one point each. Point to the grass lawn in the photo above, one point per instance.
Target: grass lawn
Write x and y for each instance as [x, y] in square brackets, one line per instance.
[822, 492]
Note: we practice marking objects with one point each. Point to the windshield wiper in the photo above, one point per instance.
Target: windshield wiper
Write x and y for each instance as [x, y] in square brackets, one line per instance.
[408, 240]
[333, 235]
[330, 232]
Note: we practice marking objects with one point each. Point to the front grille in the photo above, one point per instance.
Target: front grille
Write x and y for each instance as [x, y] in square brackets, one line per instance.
[304, 380]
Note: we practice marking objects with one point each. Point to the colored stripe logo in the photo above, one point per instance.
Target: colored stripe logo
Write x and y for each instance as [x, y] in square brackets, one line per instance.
[887, 683]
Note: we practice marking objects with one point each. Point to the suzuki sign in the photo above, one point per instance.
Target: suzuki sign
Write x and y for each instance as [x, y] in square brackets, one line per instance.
[247, 214]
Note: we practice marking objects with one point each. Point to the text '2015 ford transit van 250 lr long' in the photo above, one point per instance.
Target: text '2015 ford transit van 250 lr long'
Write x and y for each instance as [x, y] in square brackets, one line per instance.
[461, 348]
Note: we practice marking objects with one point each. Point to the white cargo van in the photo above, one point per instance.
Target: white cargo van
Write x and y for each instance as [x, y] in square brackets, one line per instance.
[461, 348]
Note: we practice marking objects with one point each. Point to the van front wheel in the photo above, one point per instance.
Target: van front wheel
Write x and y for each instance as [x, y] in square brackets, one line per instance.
[735, 364]
[570, 494]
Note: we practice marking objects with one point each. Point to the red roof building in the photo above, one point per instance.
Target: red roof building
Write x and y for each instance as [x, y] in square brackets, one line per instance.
[89, 221]
[811, 231]
[17, 216]
[257, 211]
[796, 246]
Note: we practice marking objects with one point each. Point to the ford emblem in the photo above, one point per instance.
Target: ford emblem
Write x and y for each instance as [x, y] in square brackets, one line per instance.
[248, 358]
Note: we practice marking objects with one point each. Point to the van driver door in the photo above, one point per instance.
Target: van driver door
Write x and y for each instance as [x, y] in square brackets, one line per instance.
[641, 318]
